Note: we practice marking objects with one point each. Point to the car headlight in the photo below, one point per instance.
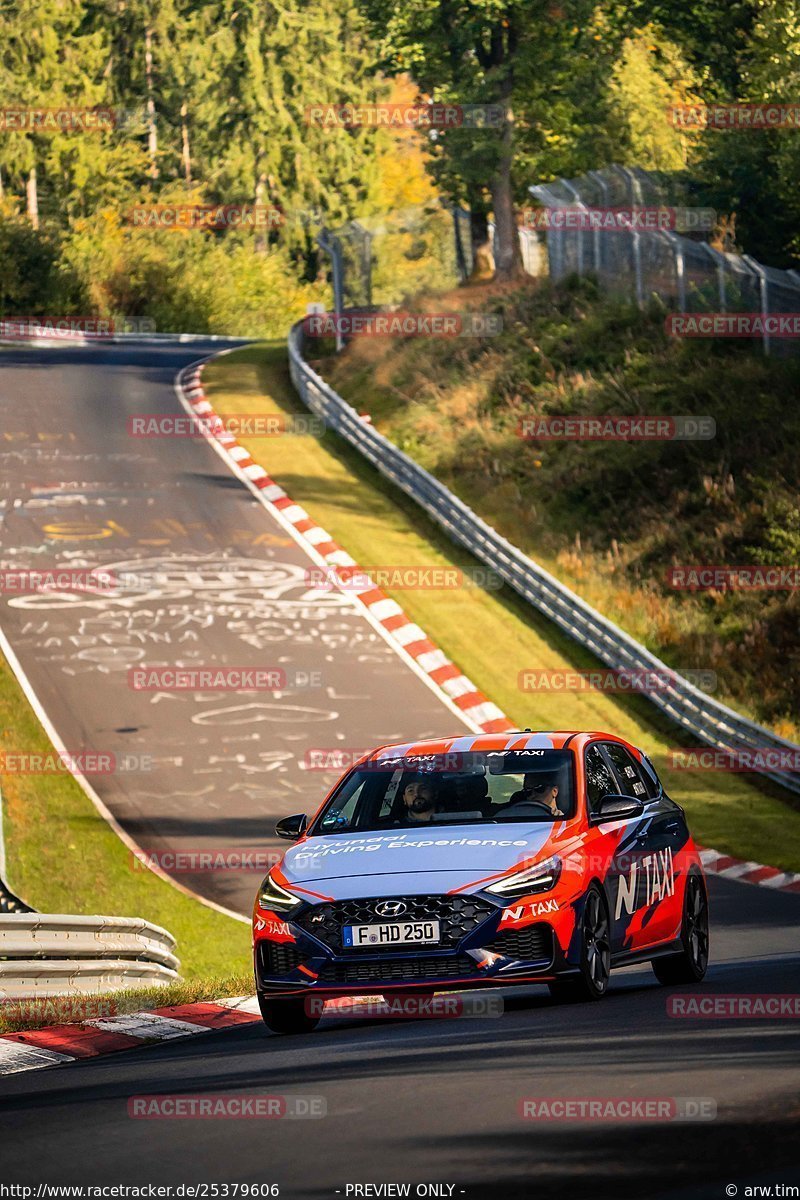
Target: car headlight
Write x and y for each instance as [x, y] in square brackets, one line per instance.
[539, 878]
[272, 895]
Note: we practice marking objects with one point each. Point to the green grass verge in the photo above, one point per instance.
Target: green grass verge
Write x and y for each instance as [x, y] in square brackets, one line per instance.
[62, 857]
[610, 518]
[491, 636]
[68, 1010]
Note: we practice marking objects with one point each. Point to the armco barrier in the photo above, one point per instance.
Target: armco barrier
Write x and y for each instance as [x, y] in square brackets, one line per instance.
[698, 714]
[43, 954]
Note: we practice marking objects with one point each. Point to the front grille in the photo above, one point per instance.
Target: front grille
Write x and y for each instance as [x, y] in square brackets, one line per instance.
[399, 970]
[457, 916]
[534, 943]
[278, 958]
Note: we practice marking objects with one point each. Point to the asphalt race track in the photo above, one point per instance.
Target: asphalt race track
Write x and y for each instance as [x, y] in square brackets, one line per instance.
[406, 1102]
[438, 1101]
[193, 772]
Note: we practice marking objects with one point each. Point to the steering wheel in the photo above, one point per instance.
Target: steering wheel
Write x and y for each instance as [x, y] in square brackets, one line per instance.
[527, 803]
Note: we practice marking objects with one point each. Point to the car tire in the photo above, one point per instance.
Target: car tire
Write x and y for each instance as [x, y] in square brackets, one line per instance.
[690, 963]
[286, 1014]
[591, 982]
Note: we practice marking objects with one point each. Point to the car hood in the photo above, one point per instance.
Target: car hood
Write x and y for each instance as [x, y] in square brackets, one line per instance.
[457, 852]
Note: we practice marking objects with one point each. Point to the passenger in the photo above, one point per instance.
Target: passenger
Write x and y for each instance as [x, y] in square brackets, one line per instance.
[419, 802]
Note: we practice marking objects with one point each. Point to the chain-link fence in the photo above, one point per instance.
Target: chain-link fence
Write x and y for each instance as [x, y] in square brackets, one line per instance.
[385, 259]
[379, 261]
[685, 271]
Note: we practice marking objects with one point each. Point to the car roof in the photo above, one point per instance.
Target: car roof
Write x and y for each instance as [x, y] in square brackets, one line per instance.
[526, 739]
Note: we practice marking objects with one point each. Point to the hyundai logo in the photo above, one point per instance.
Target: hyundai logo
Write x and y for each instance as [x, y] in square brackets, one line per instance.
[390, 908]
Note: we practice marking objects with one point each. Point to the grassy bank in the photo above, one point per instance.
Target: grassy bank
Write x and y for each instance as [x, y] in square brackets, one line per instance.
[70, 1010]
[63, 857]
[490, 635]
[611, 518]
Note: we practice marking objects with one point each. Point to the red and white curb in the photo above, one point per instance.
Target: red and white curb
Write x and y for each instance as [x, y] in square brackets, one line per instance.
[55, 1045]
[728, 867]
[405, 635]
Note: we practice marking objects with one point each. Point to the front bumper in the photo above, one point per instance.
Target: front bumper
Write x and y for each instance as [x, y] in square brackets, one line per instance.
[472, 951]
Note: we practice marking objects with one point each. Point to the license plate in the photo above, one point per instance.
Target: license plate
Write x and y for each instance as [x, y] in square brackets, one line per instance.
[391, 933]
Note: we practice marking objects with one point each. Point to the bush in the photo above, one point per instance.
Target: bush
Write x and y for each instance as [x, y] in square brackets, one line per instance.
[187, 281]
[33, 281]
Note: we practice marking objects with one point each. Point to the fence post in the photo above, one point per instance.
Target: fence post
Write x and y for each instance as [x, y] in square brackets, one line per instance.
[577, 198]
[719, 260]
[331, 245]
[368, 266]
[554, 244]
[634, 191]
[600, 181]
[680, 267]
[763, 284]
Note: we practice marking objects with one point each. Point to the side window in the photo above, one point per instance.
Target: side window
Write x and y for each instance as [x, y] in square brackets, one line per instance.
[599, 780]
[632, 780]
[652, 782]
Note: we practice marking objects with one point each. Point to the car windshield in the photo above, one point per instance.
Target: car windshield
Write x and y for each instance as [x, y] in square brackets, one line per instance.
[390, 792]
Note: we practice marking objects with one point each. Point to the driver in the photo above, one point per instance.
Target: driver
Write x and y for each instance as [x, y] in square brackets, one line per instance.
[538, 789]
[419, 802]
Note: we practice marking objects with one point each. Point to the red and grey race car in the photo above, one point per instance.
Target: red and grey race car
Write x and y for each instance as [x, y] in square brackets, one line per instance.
[488, 860]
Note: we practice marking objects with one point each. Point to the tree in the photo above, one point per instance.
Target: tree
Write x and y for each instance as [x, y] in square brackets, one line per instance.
[523, 58]
[650, 75]
[752, 174]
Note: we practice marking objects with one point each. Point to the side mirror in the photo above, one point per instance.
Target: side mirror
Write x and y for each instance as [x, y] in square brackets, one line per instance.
[617, 808]
[292, 828]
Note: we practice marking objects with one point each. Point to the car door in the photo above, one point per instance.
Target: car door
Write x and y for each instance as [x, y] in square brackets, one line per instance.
[610, 841]
[647, 907]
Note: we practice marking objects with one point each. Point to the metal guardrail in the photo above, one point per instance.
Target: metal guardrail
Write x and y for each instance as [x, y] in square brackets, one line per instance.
[704, 718]
[45, 954]
[81, 339]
